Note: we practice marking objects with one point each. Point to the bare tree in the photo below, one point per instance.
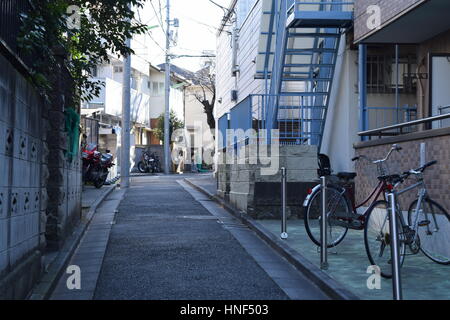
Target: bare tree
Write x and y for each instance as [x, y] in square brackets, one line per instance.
[205, 79]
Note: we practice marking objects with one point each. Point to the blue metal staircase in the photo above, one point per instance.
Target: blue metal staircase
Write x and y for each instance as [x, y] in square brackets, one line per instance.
[302, 42]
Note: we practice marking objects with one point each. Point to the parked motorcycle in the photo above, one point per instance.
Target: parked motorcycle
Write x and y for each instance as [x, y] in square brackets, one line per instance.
[96, 165]
[149, 163]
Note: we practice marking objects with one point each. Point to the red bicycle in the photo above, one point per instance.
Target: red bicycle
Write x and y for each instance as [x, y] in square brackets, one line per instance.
[341, 206]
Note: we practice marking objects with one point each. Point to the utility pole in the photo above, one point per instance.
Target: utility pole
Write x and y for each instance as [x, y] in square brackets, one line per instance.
[126, 127]
[167, 154]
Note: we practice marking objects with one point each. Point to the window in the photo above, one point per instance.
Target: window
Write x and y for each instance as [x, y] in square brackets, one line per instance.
[118, 69]
[157, 88]
[382, 74]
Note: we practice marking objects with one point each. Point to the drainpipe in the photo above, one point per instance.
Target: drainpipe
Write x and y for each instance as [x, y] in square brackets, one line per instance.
[362, 71]
[397, 79]
[235, 44]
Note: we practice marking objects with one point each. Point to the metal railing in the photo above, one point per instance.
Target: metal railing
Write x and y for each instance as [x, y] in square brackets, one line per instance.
[323, 225]
[379, 117]
[399, 129]
[299, 121]
[10, 24]
[323, 5]
[284, 234]
[444, 110]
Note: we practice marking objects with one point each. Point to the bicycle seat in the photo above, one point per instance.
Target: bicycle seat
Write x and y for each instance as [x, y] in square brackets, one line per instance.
[347, 175]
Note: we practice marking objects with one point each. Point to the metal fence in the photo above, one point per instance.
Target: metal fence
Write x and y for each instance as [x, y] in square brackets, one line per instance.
[10, 24]
[299, 120]
[91, 128]
[379, 117]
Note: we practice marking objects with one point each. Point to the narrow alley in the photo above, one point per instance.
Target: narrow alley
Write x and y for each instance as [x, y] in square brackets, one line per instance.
[170, 242]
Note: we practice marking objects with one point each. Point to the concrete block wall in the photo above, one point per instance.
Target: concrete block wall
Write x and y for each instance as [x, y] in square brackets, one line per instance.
[250, 190]
[21, 196]
[40, 190]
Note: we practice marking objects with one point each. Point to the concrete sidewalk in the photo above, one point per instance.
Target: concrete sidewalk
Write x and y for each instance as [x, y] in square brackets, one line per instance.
[422, 279]
[56, 262]
[91, 194]
[90, 252]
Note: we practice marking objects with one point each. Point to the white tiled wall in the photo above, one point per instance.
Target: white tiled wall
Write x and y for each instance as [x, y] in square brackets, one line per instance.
[20, 167]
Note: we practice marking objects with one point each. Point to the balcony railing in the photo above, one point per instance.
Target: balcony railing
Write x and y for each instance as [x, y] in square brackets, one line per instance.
[10, 24]
[323, 5]
[379, 117]
[403, 128]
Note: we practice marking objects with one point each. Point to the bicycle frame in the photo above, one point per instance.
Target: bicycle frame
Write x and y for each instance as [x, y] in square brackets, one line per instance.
[375, 194]
[422, 195]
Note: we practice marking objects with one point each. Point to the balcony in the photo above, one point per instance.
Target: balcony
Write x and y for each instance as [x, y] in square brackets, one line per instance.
[110, 100]
[321, 14]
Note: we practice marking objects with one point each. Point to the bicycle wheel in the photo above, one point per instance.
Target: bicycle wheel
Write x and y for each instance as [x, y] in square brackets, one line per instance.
[433, 230]
[337, 206]
[377, 238]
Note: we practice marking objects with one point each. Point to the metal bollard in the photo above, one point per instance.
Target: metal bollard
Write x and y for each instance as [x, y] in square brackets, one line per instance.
[323, 228]
[395, 255]
[284, 234]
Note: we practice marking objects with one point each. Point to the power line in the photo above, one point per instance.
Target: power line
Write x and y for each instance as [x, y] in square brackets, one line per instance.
[192, 56]
[198, 22]
[221, 7]
[160, 19]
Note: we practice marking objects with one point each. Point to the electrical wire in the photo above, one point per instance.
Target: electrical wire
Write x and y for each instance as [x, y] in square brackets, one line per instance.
[159, 18]
[226, 11]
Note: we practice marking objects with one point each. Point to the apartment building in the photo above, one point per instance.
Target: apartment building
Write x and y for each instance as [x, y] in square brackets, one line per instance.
[407, 59]
[107, 107]
[333, 78]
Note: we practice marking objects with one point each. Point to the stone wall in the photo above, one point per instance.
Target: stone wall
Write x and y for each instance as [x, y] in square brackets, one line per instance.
[63, 186]
[437, 178]
[247, 188]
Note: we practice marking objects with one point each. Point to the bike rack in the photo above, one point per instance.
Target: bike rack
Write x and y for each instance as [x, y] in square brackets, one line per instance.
[323, 227]
[395, 256]
[284, 234]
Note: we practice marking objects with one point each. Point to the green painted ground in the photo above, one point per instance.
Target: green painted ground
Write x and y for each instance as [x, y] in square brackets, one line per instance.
[422, 279]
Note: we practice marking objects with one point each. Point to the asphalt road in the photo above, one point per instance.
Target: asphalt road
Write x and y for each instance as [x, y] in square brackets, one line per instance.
[167, 246]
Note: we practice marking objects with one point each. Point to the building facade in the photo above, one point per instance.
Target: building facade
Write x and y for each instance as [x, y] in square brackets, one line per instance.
[332, 76]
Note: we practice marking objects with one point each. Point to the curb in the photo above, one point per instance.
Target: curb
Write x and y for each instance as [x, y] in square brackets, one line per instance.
[330, 287]
[49, 280]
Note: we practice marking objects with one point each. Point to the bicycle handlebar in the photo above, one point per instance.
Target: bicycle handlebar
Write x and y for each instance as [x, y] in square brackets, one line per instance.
[419, 170]
[424, 167]
[394, 147]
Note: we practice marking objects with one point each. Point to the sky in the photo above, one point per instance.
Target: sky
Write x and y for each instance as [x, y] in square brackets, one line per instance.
[199, 20]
